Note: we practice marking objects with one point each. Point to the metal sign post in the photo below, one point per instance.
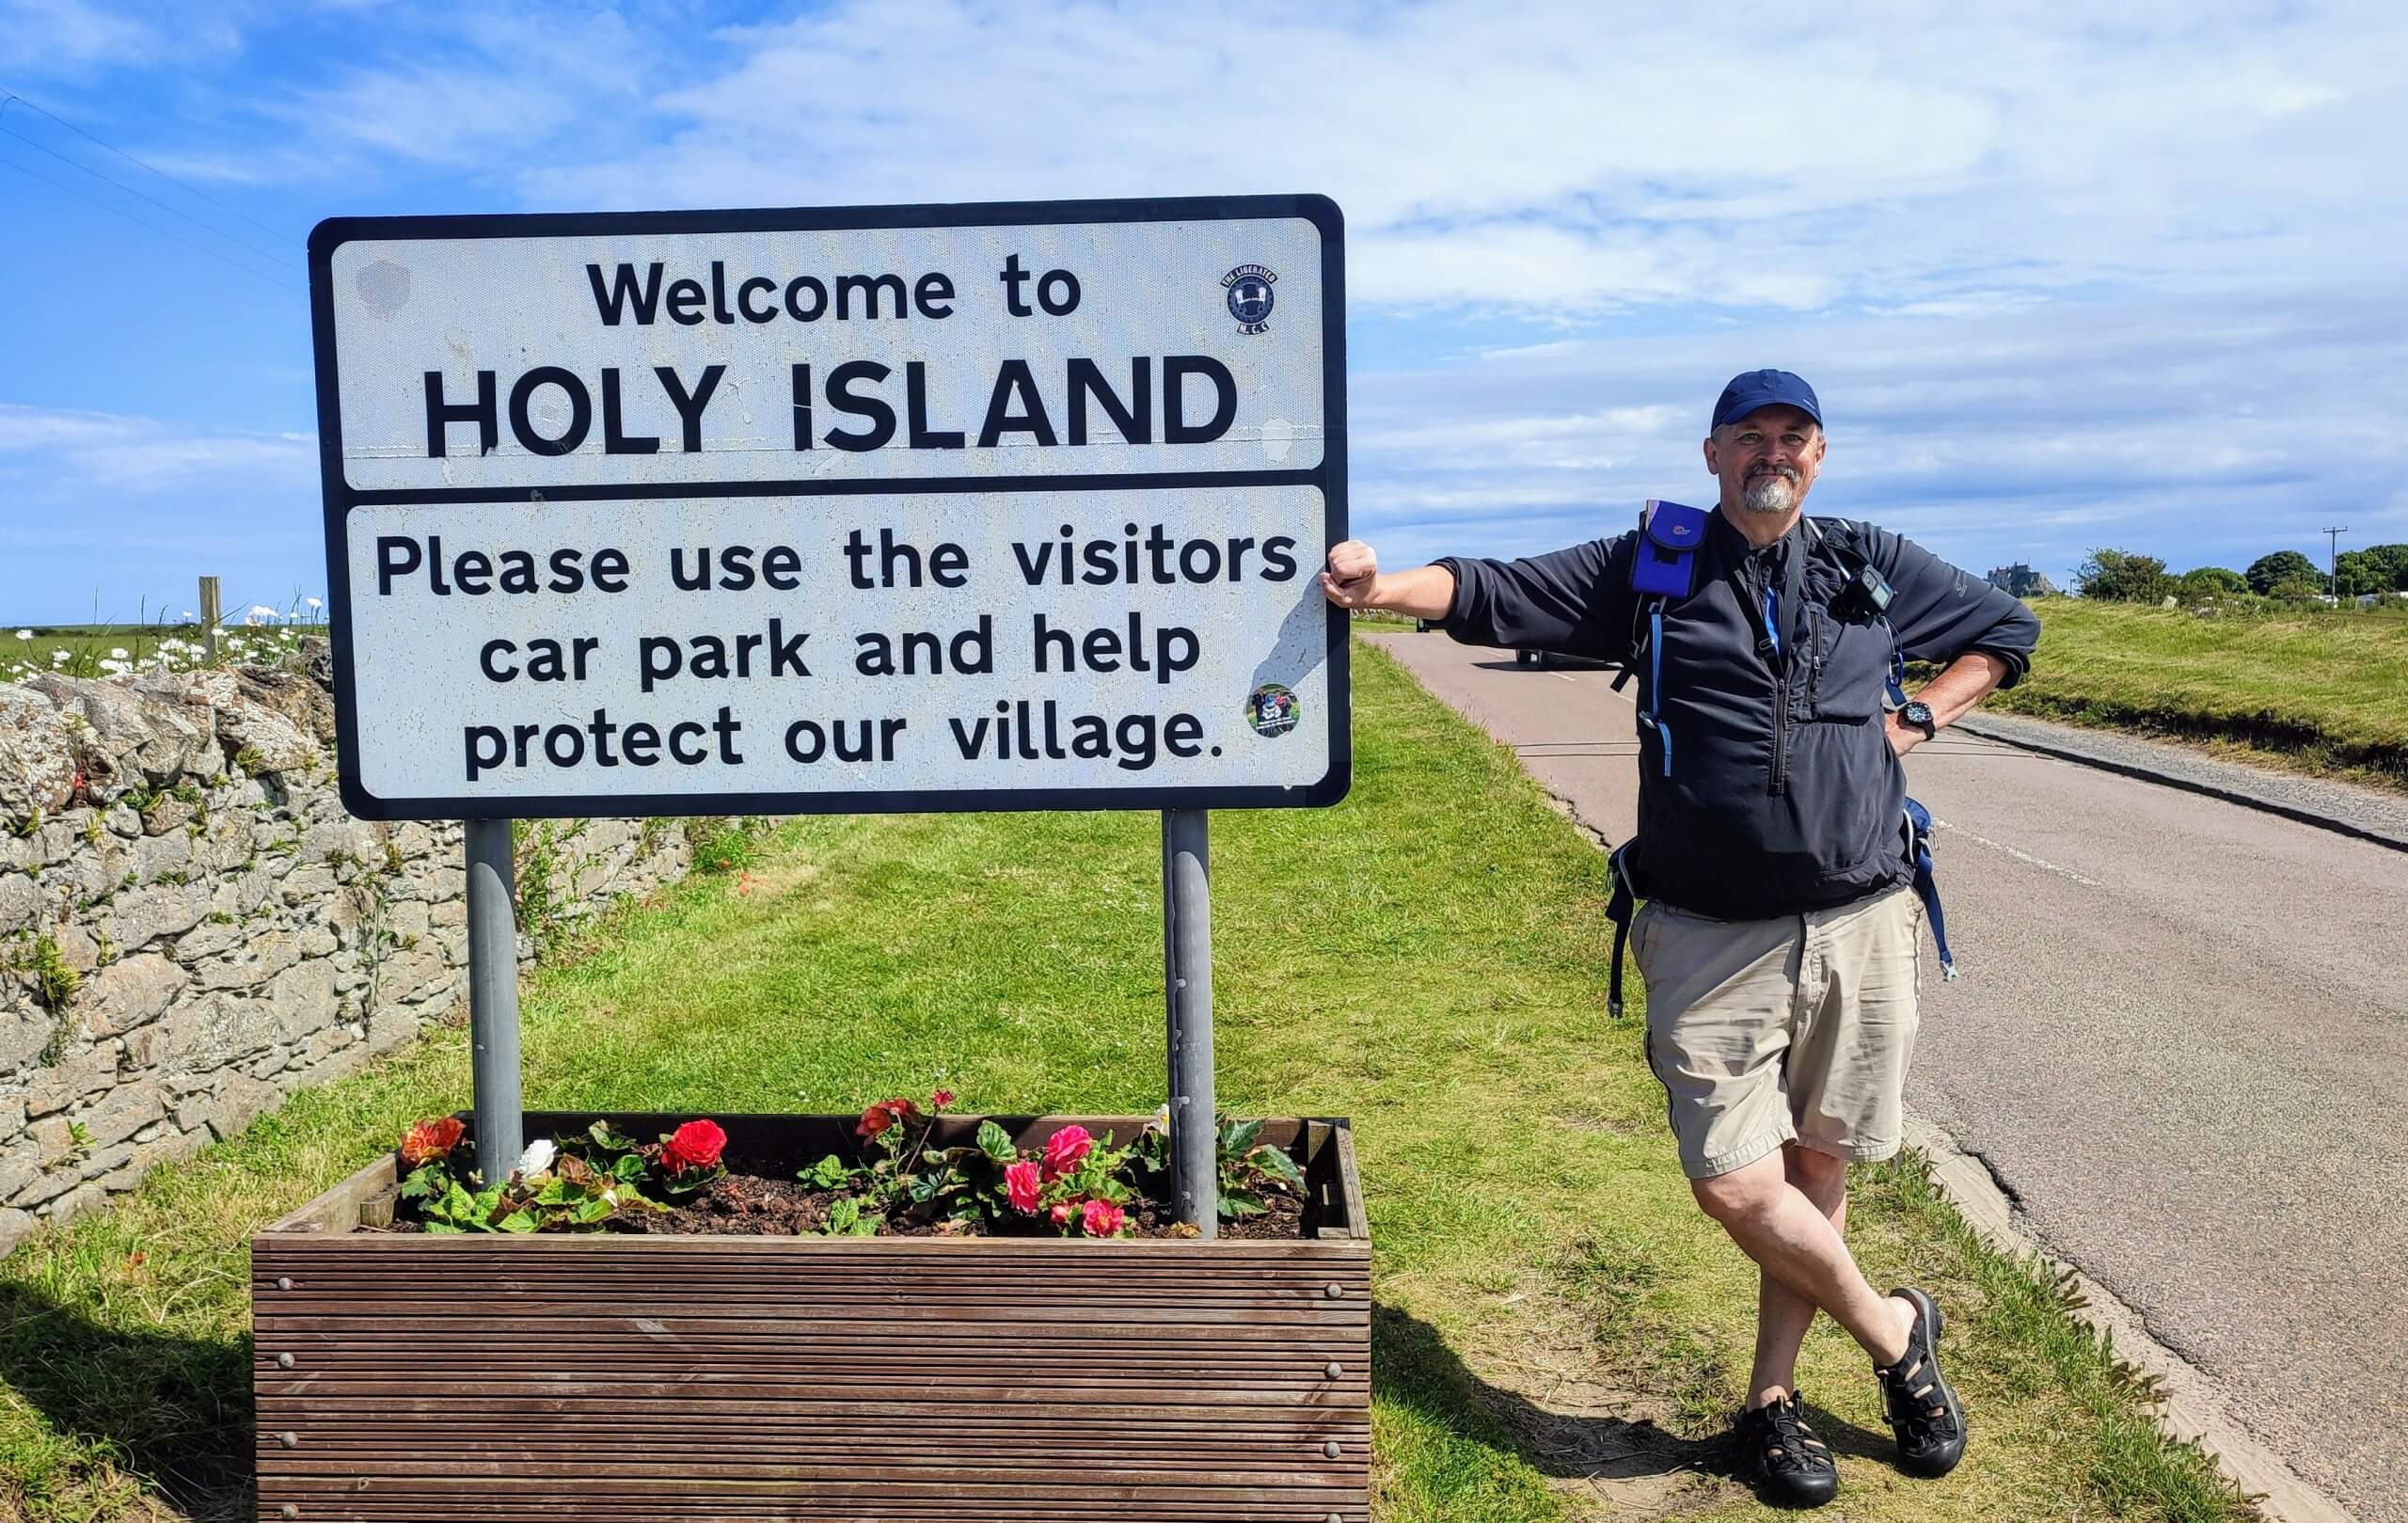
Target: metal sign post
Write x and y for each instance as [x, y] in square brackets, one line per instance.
[493, 997]
[1187, 990]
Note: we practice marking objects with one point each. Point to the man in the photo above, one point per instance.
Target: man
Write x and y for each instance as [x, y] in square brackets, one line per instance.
[1780, 940]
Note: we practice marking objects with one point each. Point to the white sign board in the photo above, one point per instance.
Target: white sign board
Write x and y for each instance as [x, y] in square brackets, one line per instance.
[781, 512]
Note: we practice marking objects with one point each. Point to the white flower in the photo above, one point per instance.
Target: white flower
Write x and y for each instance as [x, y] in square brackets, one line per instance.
[537, 1158]
[116, 669]
[188, 614]
[315, 602]
[24, 634]
[118, 651]
[61, 658]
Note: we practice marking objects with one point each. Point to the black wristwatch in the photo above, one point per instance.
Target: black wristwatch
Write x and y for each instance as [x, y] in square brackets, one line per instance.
[1919, 715]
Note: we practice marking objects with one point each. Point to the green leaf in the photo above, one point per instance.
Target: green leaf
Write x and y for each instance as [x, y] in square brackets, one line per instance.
[1237, 1137]
[557, 1191]
[1242, 1203]
[421, 1183]
[844, 1214]
[996, 1143]
[1276, 1162]
[630, 1169]
[586, 1212]
[443, 1226]
[830, 1173]
[521, 1220]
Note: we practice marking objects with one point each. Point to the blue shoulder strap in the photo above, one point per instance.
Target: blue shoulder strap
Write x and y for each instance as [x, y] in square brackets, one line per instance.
[1663, 569]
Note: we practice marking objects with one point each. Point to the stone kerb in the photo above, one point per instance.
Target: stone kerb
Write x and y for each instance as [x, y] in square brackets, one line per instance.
[192, 928]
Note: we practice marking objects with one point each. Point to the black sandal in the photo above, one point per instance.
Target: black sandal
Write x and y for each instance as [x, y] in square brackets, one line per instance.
[1922, 1410]
[1794, 1465]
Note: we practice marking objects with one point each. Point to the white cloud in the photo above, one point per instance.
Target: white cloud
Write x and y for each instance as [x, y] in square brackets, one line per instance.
[1578, 158]
[2201, 429]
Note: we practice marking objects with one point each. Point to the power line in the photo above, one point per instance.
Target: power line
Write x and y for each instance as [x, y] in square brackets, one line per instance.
[163, 232]
[173, 210]
[14, 99]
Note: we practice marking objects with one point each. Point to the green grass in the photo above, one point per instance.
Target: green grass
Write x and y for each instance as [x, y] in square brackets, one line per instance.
[2323, 691]
[92, 650]
[1427, 959]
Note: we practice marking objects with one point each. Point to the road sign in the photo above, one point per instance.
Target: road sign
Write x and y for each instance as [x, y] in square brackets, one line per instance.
[1004, 506]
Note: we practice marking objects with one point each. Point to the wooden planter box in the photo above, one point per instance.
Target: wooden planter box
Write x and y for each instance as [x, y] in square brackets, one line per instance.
[902, 1380]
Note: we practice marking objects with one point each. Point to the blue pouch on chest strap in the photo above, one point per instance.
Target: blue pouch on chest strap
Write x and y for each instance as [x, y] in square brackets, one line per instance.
[1670, 537]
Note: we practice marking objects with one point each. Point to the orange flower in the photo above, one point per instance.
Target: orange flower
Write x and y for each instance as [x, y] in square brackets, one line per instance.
[431, 1139]
[884, 1114]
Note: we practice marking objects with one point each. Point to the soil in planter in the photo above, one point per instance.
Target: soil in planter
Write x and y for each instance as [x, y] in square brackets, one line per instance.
[759, 1206]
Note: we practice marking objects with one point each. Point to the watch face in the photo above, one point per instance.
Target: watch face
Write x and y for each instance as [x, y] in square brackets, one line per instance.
[1916, 713]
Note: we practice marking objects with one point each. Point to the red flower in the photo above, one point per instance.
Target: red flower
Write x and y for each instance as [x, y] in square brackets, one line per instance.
[884, 1114]
[431, 1139]
[941, 1099]
[695, 1145]
[1019, 1182]
[1063, 1212]
[1064, 1149]
[1102, 1219]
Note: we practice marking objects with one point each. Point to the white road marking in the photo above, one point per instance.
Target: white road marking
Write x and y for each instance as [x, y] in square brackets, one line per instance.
[1563, 677]
[2019, 856]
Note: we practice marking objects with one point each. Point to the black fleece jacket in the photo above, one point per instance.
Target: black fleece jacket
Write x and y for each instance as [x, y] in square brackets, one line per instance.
[1769, 788]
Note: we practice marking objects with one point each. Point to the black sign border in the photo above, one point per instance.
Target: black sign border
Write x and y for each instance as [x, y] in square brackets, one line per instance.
[1330, 477]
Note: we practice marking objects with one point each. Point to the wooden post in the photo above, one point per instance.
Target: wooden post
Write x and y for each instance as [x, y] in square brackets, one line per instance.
[208, 617]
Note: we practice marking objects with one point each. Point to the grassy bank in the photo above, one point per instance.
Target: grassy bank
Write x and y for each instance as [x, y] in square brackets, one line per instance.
[1559, 1335]
[2323, 693]
[99, 650]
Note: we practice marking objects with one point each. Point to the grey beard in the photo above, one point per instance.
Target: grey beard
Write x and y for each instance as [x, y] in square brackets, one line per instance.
[1772, 492]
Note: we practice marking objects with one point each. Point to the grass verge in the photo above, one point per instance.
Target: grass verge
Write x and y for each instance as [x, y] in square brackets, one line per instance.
[2322, 692]
[1559, 1335]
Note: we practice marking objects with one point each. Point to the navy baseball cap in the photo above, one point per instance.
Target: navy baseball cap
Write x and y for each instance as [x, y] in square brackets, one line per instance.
[1766, 388]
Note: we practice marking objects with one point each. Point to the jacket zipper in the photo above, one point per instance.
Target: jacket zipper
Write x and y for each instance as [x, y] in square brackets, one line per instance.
[1784, 662]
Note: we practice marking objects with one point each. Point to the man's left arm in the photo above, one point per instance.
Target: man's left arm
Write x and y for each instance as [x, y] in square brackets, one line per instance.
[1983, 637]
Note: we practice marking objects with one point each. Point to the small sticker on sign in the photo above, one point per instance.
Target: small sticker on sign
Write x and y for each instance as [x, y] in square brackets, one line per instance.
[1273, 708]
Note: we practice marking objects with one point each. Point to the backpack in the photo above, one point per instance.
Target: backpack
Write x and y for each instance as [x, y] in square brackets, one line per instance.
[1663, 571]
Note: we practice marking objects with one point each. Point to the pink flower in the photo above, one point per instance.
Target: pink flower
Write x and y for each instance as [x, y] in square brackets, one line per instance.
[1103, 1219]
[1063, 1212]
[1064, 1149]
[1020, 1184]
[941, 1099]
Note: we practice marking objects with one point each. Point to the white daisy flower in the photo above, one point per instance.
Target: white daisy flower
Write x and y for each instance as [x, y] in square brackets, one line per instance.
[24, 634]
[118, 651]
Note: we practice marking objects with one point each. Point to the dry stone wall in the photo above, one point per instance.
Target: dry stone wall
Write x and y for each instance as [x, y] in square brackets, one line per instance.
[192, 927]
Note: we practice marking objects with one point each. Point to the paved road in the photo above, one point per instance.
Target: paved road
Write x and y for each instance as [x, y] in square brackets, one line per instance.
[2181, 1044]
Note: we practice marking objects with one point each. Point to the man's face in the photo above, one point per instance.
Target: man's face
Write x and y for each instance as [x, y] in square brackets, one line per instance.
[1766, 461]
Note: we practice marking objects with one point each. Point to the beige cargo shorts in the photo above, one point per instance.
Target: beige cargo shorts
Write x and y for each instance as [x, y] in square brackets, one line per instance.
[1765, 1032]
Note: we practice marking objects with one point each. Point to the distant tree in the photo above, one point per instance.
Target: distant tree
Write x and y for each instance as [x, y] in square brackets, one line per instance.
[2121, 576]
[2394, 558]
[2212, 581]
[2360, 571]
[2296, 589]
[2283, 566]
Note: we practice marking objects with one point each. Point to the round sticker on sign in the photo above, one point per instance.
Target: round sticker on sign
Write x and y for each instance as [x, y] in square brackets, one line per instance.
[1273, 709]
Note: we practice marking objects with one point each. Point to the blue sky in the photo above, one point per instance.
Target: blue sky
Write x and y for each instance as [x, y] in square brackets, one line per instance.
[2134, 282]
